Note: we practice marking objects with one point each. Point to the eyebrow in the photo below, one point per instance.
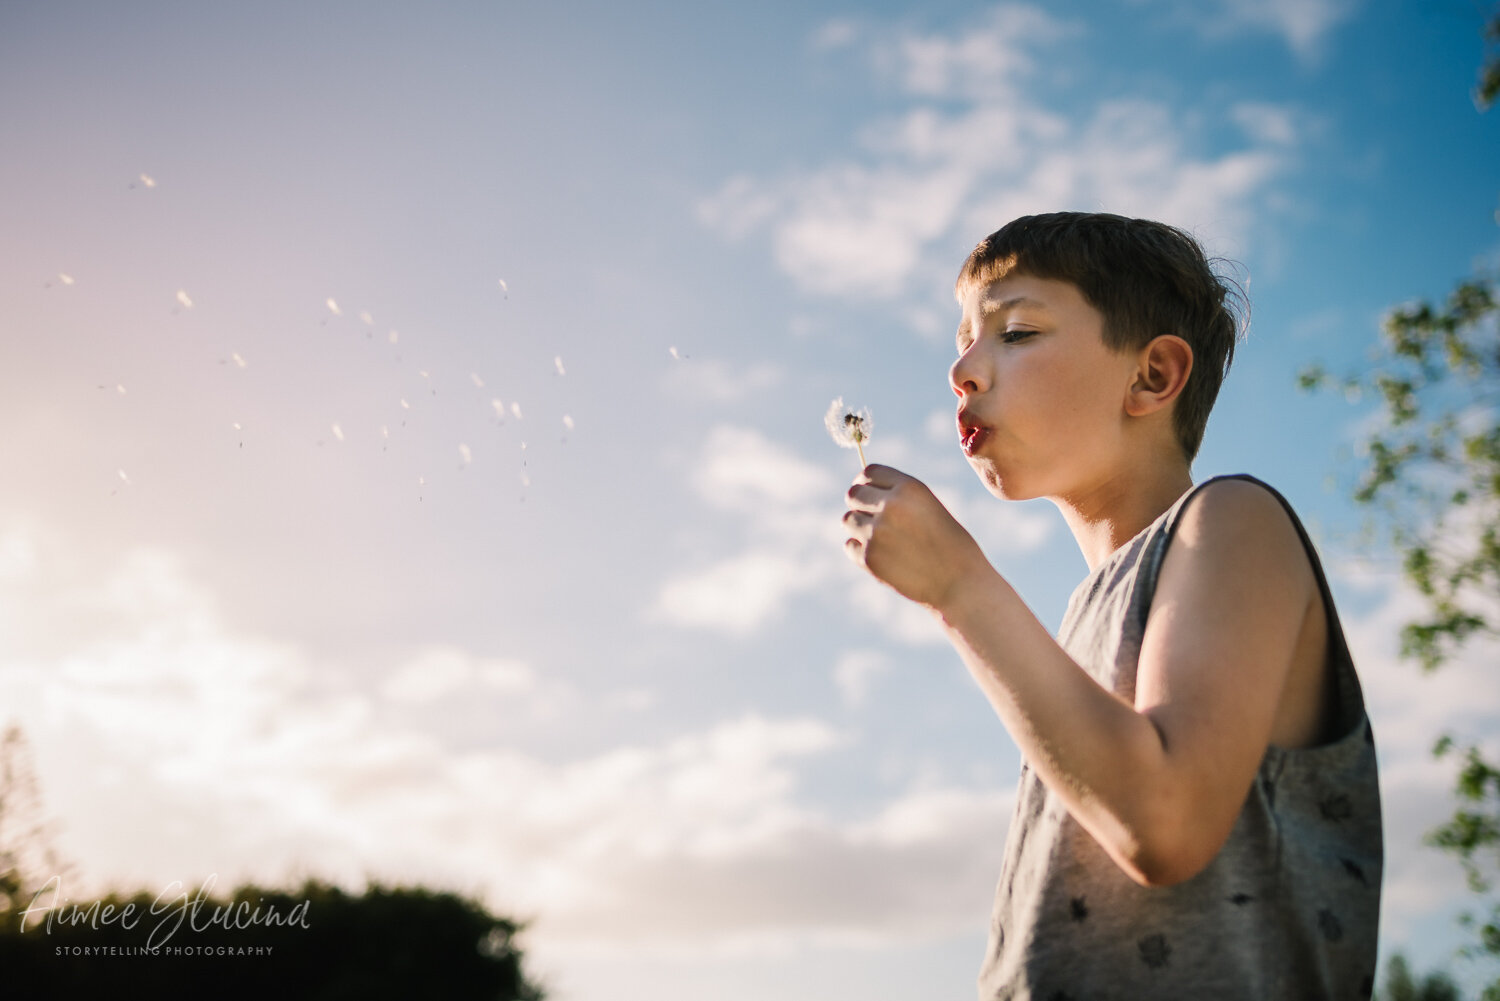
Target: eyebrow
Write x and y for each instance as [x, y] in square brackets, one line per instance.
[989, 307]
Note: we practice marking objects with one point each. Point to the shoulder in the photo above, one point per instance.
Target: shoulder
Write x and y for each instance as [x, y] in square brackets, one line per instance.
[1239, 527]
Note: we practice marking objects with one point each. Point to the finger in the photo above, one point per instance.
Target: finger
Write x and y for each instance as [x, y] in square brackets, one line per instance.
[881, 476]
[855, 550]
[858, 523]
[865, 497]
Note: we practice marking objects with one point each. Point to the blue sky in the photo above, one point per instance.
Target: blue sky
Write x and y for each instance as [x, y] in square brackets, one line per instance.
[415, 445]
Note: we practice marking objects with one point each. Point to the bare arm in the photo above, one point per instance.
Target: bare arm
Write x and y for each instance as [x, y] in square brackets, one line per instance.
[1159, 783]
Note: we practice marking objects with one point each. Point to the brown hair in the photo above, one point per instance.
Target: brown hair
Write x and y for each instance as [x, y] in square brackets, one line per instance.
[1145, 277]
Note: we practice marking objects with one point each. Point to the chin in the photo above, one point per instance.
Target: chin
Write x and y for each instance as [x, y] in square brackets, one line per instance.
[1005, 488]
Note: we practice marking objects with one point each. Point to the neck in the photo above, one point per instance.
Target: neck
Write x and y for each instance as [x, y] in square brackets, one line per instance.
[1110, 513]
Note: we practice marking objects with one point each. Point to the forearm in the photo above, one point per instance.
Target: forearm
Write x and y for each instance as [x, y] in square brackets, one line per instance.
[1106, 761]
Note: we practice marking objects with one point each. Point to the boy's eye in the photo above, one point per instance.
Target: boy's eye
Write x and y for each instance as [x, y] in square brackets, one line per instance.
[1015, 334]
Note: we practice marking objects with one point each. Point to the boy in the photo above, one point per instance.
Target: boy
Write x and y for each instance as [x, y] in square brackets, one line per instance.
[1198, 814]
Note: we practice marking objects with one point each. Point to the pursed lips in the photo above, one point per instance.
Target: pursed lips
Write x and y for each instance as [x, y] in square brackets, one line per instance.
[971, 434]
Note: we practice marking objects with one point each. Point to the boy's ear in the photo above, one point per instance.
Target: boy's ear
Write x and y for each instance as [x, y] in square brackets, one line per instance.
[1161, 373]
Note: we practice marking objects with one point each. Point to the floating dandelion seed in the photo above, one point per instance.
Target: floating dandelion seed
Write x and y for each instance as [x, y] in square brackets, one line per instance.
[369, 320]
[567, 422]
[182, 297]
[465, 454]
[338, 432]
[236, 425]
[120, 388]
[148, 180]
[238, 360]
[385, 432]
[557, 360]
[525, 480]
[515, 409]
[673, 352]
[478, 382]
[66, 279]
[123, 478]
[393, 337]
[333, 307]
[505, 288]
[849, 428]
[404, 404]
[499, 408]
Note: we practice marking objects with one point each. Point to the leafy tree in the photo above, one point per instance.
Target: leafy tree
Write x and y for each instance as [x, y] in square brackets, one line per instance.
[1432, 473]
[317, 941]
[1400, 985]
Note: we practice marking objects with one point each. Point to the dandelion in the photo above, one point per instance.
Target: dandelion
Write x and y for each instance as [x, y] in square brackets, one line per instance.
[557, 360]
[333, 307]
[849, 428]
[182, 297]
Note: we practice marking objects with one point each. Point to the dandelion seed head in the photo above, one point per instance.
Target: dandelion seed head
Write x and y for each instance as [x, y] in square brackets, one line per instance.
[848, 427]
[567, 422]
[333, 307]
[338, 432]
[515, 409]
[182, 297]
[557, 360]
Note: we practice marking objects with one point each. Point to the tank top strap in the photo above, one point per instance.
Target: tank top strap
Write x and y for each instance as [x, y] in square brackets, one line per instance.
[1351, 705]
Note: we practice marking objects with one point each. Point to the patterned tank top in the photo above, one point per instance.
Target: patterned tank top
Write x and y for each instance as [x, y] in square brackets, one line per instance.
[1288, 909]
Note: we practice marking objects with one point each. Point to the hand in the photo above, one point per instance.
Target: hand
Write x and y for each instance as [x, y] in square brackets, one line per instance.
[904, 536]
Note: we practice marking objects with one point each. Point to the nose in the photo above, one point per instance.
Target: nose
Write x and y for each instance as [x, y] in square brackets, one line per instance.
[966, 376]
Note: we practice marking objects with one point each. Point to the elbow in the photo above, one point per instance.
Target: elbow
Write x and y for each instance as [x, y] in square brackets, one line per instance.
[1159, 869]
[1170, 852]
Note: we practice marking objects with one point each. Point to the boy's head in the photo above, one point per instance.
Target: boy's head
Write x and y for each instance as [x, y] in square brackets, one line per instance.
[1145, 278]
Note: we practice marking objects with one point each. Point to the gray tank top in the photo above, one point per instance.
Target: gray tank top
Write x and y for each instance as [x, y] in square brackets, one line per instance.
[1288, 909]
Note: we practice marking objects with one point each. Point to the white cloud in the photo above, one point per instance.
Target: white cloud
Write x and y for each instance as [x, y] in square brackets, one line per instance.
[741, 469]
[1302, 23]
[883, 221]
[736, 595]
[444, 670]
[171, 747]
